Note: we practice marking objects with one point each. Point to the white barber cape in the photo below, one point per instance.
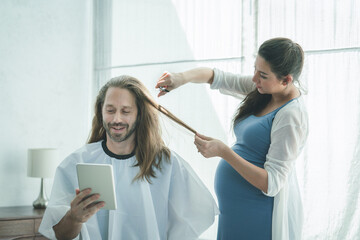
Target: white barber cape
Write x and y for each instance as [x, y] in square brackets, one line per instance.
[176, 205]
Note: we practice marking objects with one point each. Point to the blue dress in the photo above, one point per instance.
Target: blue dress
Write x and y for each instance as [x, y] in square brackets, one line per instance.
[245, 212]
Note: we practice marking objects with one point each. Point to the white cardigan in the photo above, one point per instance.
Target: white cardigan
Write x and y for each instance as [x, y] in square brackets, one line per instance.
[288, 136]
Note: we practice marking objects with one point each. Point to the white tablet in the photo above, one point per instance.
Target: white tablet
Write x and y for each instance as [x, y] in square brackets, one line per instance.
[100, 178]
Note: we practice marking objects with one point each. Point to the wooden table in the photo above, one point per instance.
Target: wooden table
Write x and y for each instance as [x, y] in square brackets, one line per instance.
[20, 222]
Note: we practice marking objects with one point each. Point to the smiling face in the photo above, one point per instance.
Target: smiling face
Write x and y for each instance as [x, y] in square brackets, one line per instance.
[266, 81]
[119, 114]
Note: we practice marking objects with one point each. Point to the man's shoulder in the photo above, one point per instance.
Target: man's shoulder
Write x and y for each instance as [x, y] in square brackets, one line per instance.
[176, 161]
[84, 153]
[167, 161]
[88, 148]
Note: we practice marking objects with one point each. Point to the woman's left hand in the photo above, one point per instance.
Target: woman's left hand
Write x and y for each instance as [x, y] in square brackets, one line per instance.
[209, 147]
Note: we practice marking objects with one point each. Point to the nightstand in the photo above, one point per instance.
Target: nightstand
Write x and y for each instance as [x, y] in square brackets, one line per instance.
[21, 222]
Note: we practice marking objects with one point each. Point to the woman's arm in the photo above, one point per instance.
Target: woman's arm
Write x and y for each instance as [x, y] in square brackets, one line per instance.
[171, 81]
[288, 137]
[255, 175]
[236, 85]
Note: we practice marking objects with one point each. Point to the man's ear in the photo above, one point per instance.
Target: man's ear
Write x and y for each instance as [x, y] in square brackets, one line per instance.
[287, 80]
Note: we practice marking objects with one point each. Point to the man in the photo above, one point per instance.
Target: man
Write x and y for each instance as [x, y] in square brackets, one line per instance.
[158, 194]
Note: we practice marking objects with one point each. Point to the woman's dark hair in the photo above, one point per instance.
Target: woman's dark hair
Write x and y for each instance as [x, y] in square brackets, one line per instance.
[284, 57]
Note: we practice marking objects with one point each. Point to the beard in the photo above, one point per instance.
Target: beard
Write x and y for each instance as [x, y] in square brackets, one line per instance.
[119, 137]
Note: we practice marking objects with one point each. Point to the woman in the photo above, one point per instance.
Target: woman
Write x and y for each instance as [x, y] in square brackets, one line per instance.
[255, 181]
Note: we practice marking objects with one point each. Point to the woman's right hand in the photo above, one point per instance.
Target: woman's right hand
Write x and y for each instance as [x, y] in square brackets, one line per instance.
[169, 81]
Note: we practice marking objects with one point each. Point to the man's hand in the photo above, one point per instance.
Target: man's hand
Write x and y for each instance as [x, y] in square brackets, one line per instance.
[84, 205]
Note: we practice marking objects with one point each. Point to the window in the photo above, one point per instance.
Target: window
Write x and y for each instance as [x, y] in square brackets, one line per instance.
[144, 38]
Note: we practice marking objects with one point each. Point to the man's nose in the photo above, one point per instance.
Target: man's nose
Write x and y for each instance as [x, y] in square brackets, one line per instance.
[118, 117]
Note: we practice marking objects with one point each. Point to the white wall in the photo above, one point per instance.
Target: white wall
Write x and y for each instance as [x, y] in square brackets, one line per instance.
[45, 86]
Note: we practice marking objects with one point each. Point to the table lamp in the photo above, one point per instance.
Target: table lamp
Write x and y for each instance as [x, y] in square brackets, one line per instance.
[42, 163]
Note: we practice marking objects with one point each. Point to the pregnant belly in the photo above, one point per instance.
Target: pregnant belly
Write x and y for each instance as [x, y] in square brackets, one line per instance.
[232, 189]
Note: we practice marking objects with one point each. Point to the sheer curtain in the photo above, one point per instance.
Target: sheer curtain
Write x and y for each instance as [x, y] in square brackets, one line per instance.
[144, 38]
[329, 32]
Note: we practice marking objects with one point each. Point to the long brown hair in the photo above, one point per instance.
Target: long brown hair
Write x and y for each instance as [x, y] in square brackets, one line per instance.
[150, 149]
[284, 57]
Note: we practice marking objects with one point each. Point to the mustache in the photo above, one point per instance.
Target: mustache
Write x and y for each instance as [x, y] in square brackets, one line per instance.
[118, 125]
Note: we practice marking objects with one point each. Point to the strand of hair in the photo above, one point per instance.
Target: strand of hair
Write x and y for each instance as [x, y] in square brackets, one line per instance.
[174, 118]
[169, 114]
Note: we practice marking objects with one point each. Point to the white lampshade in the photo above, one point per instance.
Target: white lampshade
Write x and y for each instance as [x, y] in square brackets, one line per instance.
[42, 162]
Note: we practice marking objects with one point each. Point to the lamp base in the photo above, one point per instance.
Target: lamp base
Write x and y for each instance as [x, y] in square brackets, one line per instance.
[41, 202]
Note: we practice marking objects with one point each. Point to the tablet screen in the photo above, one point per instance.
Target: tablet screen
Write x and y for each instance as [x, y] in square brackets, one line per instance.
[100, 178]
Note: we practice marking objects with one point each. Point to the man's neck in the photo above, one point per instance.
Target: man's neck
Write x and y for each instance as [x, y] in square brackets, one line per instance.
[121, 148]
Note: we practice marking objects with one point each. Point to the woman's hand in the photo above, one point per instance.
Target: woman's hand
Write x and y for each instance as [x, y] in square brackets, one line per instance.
[209, 147]
[169, 81]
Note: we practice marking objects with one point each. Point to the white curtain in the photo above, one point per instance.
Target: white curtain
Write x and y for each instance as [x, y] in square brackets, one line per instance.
[329, 32]
[144, 38]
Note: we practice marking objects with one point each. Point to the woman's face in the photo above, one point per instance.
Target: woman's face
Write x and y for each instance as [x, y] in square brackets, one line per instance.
[265, 80]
